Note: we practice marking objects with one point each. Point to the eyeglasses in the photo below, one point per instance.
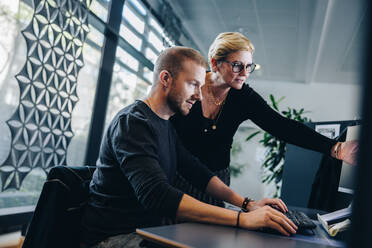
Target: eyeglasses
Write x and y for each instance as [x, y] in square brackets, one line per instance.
[238, 67]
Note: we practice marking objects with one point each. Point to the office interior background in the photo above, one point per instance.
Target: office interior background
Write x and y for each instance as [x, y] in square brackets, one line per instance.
[310, 52]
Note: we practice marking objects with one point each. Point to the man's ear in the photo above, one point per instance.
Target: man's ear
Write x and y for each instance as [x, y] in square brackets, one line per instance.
[165, 78]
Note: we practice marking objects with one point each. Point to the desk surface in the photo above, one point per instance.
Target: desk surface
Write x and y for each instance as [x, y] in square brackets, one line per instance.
[206, 235]
[15, 216]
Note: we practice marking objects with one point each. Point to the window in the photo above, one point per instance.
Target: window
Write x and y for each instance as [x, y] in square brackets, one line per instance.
[127, 59]
[15, 16]
[74, 96]
[156, 41]
[100, 8]
[148, 74]
[133, 19]
[123, 85]
[132, 78]
[155, 25]
[138, 6]
[130, 37]
[159, 32]
[86, 87]
[151, 55]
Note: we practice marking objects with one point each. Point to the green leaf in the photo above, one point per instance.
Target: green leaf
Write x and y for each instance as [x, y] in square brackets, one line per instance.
[268, 161]
[272, 164]
[273, 103]
[281, 99]
[236, 169]
[267, 141]
[252, 135]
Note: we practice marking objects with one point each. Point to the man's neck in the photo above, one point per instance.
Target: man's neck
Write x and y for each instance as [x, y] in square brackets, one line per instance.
[158, 105]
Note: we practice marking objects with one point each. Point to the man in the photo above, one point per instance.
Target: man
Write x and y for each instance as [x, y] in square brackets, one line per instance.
[139, 157]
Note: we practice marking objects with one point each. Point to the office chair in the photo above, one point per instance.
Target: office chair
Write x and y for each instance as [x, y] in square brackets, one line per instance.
[57, 216]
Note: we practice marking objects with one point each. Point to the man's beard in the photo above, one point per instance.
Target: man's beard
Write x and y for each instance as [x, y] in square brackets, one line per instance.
[175, 102]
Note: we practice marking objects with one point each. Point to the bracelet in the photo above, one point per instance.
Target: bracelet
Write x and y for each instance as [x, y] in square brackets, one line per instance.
[237, 219]
[337, 149]
[245, 204]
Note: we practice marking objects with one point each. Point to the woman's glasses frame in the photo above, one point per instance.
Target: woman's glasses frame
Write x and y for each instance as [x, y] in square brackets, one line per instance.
[237, 67]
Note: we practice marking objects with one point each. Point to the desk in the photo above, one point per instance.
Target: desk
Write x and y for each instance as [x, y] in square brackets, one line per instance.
[215, 236]
[15, 216]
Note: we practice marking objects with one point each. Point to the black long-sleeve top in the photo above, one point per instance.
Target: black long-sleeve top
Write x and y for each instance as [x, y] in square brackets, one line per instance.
[212, 147]
[132, 185]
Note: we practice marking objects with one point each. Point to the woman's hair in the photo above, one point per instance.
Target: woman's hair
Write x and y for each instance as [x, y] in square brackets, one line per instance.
[226, 43]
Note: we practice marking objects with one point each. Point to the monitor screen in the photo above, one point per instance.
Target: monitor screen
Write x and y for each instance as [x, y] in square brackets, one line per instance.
[346, 184]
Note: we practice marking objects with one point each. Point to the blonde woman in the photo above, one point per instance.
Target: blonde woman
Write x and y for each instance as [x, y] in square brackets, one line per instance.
[208, 130]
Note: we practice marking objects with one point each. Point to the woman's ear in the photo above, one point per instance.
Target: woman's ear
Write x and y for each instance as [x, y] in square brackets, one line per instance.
[165, 78]
[213, 65]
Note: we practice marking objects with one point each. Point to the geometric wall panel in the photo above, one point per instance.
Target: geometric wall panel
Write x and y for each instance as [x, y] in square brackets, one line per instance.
[41, 125]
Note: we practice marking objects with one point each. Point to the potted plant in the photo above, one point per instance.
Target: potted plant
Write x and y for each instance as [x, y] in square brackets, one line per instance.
[275, 148]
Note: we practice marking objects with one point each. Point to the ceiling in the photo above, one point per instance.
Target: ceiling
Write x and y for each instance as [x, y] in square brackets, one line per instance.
[296, 40]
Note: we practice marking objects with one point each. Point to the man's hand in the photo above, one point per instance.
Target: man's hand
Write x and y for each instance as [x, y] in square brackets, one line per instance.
[275, 202]
[267, 217]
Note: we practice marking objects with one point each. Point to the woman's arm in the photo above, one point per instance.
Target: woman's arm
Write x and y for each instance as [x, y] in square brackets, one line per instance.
[292, 131]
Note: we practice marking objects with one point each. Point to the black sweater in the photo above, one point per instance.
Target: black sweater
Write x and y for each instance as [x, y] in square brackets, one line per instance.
[131, 186]
[212, 147]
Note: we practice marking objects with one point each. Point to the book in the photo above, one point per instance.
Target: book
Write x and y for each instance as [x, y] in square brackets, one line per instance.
[336, 221]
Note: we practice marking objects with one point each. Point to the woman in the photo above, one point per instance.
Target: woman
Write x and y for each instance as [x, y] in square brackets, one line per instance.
[208, 130]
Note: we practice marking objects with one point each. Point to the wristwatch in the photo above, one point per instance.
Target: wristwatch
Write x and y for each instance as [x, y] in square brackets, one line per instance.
[245, 204]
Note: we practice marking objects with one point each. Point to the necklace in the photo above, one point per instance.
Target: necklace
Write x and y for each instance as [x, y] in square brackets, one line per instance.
[214, 125]
[214, 121]
[214, 100]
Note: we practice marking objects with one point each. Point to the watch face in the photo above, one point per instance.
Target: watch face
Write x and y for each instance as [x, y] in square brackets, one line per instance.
[245, 203]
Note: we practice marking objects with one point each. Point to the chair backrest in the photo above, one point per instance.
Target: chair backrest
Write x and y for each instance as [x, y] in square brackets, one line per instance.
[57, 216]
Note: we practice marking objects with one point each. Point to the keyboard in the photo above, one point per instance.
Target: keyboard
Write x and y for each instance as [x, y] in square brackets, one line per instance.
[300, 219]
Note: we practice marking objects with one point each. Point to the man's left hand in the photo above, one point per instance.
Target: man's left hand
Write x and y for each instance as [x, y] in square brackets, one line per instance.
[274, 202]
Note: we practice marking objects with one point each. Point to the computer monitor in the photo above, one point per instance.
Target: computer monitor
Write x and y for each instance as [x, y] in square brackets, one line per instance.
[346, 183]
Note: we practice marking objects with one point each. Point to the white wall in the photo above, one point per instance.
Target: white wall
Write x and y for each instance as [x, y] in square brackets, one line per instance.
[326, 101]
[249, 182]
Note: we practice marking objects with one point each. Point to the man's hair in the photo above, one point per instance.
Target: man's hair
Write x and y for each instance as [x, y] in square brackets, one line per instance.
[226, 43]
[171, 59]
